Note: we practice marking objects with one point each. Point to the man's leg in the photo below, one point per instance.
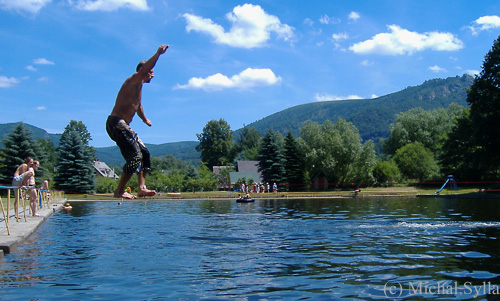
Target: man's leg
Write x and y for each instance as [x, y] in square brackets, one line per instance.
[16, 202]
[142, 189]
[120, 190]
[33, 202]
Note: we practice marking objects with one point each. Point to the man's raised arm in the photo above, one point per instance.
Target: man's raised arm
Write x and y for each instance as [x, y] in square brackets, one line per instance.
[149, 64]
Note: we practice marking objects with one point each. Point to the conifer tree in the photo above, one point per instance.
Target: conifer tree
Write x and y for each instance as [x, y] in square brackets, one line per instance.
[294, 164]
[271, 159]
[18, 145]
[473, 148]
[484, 100]
[75, 171]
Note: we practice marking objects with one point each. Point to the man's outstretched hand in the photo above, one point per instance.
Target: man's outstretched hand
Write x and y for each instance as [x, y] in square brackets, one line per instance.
[162, 49]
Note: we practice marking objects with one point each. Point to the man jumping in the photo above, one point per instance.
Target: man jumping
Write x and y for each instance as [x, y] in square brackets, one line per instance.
[128, 102]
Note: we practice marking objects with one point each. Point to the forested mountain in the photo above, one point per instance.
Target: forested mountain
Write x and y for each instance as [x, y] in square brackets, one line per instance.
[36, 133]
[372, 117]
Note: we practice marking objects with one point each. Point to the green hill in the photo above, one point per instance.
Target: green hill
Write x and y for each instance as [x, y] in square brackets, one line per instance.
[184, 151]
[36, 133]
[372, 117]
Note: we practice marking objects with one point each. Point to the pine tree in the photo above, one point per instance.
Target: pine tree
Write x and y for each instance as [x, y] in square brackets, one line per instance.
[75, 171]
[472, 150]
[294, 164]
[271, 159]
[18, 145]
[484, 100]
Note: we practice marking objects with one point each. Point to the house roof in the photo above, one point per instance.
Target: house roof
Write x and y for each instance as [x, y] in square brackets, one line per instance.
[255, 176]
[244, 166]
[104, 170]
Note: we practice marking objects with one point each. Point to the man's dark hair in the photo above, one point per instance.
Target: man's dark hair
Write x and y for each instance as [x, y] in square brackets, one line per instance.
[140, 65]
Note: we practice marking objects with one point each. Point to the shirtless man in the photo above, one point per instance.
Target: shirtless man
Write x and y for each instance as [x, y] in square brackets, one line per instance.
[21, 177]
[128, 103]
[32, 189]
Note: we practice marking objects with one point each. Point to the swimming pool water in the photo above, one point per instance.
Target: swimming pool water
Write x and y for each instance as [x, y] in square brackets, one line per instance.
[271, 249]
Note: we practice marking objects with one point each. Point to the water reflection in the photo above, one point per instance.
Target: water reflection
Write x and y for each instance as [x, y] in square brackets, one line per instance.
[326, 248]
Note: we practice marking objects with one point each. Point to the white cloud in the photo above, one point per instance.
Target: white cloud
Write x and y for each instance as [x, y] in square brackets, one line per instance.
[340, 36]
[329, 97]
[309, 22]
[246, 79]
[328, 20]
[7, 82]
[31, 6]
[401, 41]
[110, 5]
[41, 108]
[43, 79]
[42, 61]
[354, 16]
[473, 72]
[485, 23]
[31, 68]
[251, 27]
[367, 63]
[437, 69]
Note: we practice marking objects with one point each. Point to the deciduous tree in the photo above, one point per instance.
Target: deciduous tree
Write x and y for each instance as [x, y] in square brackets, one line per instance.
[216, 144]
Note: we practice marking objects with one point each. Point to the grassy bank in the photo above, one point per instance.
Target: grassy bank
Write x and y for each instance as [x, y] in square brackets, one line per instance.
[409, 191]
[366, 192]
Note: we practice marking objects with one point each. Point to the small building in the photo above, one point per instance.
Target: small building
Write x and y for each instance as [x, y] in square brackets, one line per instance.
[248, 170]
[103, 170]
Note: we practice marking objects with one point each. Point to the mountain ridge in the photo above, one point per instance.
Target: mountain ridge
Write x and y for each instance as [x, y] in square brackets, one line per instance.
[372, 117]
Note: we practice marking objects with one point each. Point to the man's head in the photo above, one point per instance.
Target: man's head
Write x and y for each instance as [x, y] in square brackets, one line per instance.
[149, 75]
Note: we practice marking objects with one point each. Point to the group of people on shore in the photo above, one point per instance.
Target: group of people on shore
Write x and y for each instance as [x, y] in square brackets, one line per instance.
[258, 188]
[24, 177]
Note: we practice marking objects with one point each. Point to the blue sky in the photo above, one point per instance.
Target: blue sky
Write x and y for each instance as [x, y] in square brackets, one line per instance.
[65, 60]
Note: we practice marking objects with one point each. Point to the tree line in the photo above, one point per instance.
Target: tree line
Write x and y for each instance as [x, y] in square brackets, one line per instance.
[423, 145]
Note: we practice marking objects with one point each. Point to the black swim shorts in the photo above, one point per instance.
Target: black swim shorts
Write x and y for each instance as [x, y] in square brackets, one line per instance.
[135, 153]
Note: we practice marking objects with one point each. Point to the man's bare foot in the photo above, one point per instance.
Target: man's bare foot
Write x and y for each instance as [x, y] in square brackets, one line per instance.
[145, 193]
[125, 195]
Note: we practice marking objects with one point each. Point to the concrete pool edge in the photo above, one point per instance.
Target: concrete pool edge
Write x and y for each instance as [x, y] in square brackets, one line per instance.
[22, 229]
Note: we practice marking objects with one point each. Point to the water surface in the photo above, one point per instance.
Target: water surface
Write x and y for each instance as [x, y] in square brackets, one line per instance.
[428, 248]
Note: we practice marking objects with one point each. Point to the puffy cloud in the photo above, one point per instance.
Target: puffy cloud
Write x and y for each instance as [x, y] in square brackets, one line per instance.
[42, 61]
[248, 78]
[31, 6]
[328, 20]
[473, 72]
[340, 36]
[401, 41]
[7, 82]
[437, 69]
[251, 27]
[109, 5]
[485, 23]
[354, 16]
[329, 97]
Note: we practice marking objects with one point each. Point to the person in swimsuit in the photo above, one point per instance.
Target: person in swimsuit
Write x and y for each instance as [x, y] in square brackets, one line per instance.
[32, 189]
[21, 177]
[128, 103]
